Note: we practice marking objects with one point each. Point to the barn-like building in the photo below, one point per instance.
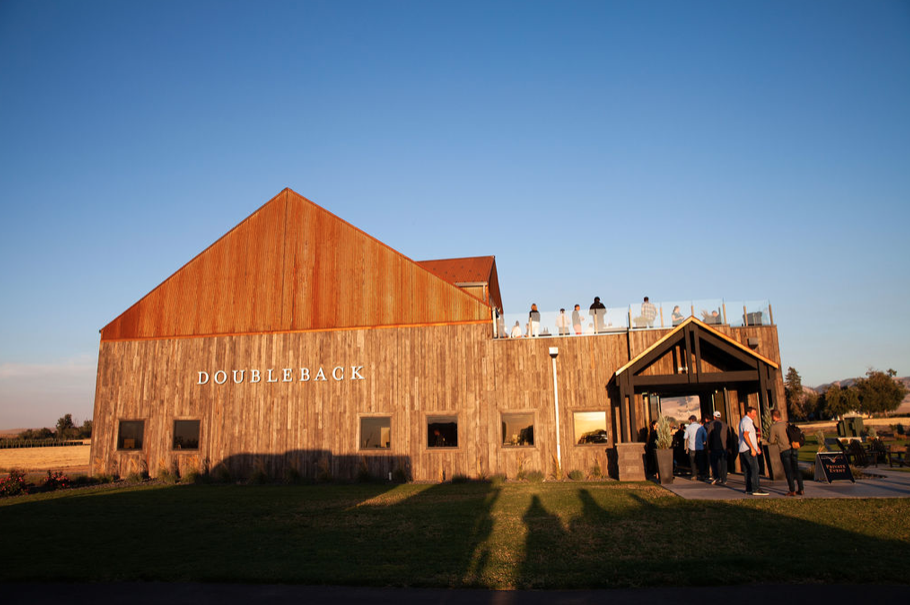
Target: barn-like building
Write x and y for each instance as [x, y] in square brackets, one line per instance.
[297, 343]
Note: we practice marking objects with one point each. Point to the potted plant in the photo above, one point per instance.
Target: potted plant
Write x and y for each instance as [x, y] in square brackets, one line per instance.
[664, 451]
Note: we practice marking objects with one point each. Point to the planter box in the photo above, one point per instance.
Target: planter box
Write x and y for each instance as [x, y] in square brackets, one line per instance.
[665, 466]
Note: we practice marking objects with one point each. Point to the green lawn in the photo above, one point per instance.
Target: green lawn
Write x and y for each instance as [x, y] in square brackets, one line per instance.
[808, 451]
[549, 535]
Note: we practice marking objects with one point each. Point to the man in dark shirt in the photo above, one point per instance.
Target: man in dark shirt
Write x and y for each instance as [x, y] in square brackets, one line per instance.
[598, 311]
[717, 446]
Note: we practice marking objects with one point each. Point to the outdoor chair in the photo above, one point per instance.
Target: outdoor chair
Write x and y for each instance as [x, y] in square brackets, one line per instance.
[897, 453]
[878, 451]
[859, 454]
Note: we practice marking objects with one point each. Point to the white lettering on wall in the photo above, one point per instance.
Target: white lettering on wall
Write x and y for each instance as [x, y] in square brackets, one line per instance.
[271, 375]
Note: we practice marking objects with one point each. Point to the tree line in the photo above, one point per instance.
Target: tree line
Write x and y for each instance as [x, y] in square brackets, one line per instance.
[876, 393]
[65, 429]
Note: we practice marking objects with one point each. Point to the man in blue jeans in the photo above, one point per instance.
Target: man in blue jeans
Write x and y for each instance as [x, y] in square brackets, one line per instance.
[789, 456]
[748, 452]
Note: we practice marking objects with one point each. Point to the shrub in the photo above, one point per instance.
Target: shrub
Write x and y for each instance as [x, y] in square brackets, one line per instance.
[497, 480]
[259, 477]
[900, 429]
[400, 475]
[222, 474]
[664, 433]
[596, 471]
[14, 484]
[557, 468]
[292, 475]
[55, 480]
[135, 477]
[535, 477]
[323, 471]
[165, 475]
[521, 475]
[194, 476]
[576, 475]
[363, 471]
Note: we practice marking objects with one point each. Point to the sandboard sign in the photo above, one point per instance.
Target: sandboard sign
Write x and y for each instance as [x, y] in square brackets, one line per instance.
[831, 466]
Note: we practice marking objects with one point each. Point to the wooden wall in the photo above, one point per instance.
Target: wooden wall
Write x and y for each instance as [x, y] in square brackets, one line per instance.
[408, 373]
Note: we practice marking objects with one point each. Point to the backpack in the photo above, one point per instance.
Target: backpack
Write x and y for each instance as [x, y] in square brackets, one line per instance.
[795, 436]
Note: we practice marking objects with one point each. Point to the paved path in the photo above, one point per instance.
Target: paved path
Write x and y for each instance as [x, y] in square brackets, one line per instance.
[241, 594]
[892, 484]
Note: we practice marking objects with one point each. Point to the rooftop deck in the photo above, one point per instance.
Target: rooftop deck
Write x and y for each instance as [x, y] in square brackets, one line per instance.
[637, 316]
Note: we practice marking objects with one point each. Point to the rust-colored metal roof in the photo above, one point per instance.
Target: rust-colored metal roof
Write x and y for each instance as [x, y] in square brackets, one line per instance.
[472, 269]
[293, 266]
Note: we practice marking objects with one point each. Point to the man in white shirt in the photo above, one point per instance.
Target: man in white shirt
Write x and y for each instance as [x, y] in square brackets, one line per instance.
[748, 452]
[695, 442]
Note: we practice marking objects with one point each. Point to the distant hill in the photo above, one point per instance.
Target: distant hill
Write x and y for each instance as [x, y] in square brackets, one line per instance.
[904, 407]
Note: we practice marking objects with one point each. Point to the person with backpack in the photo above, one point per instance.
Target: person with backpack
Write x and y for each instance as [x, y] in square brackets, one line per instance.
[790, 438]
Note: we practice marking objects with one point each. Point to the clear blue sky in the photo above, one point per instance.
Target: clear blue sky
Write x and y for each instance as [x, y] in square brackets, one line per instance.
[683, 150]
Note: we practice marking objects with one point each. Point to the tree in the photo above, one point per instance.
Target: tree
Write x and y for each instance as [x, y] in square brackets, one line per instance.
[66, 429]
[86, 431]
[879, 392]
[796, 399]
[837, 401]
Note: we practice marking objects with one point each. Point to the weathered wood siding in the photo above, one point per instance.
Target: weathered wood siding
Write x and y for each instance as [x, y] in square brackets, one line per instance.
[408, 373]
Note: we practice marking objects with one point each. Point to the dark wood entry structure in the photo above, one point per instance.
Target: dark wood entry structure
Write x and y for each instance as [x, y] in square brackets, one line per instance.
[692, 359]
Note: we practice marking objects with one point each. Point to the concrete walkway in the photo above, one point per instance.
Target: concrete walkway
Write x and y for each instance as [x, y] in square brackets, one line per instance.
[892, 484]
[154, 593]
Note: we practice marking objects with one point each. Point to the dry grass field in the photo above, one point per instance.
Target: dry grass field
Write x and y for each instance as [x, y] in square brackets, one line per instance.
[71, 459]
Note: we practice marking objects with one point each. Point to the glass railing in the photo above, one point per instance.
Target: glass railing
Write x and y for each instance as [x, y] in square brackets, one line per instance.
[748, 313]
[637, 316]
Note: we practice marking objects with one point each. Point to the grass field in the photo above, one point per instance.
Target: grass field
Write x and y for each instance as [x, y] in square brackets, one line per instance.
[70, 459]
[512, 535]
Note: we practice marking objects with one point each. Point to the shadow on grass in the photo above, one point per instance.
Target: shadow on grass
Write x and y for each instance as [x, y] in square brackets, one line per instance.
[638, 539]
[473, 534]
[379, 534]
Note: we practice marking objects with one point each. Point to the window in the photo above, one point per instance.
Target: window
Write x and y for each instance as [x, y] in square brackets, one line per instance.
[518, 429]
[442, 431]
[186, 434]
[376, 433]
[678, 409]
[591, 428]
[130, 435]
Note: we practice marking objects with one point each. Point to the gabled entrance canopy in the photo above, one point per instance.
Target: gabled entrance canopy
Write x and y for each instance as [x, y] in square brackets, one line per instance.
[693, 357]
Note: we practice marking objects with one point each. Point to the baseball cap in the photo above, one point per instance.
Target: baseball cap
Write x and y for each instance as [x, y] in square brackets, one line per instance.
[717, 414]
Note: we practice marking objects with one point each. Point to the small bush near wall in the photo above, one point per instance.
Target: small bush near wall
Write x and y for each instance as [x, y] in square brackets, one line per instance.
[576, 475]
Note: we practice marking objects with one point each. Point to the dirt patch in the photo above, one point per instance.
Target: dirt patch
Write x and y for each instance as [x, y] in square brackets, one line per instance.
[71, 459]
